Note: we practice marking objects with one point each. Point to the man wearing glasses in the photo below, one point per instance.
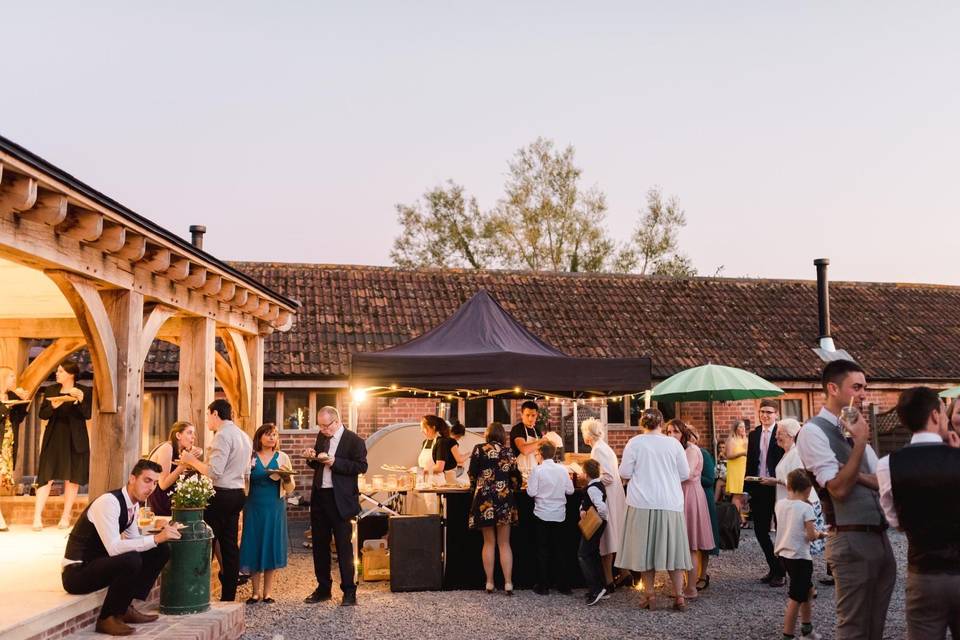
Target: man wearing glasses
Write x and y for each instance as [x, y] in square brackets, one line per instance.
[337, 458]
[763, 455]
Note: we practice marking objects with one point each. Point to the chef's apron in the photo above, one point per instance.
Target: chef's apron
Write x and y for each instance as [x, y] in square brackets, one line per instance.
[426, 502]
[527, 461]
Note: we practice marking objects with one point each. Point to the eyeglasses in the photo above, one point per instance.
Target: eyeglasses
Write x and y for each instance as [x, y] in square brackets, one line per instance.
[324, 426]
[769, 412]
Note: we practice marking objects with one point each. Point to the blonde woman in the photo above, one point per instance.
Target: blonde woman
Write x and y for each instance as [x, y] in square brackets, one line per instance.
[736, 454]
[595, 436]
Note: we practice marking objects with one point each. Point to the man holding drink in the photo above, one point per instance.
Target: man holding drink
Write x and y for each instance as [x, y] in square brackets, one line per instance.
[844, 470]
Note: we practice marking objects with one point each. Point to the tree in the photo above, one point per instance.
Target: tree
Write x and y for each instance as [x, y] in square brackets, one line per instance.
[654, 249]
[446, 229]
[546, 221]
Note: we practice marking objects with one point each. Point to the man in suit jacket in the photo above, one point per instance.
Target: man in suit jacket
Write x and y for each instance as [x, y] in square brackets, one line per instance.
[337, 458]
[763, 455]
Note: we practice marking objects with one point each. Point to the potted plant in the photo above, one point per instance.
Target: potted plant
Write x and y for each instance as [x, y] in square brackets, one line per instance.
[191, 497]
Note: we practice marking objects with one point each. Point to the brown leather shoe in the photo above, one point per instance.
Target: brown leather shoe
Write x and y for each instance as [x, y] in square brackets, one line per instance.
[132, 616]
[113, 626]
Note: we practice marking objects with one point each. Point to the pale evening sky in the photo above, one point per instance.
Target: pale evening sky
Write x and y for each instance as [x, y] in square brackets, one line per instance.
[789, 131]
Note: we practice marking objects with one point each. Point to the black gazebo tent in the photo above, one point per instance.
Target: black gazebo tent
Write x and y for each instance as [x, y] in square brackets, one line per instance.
[482, 349]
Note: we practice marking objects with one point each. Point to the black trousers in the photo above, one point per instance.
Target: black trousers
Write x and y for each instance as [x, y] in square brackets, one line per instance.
[127, 576]
[589, 556]
[762, 501]
[325, 521]
[552, 559]
[223, 516]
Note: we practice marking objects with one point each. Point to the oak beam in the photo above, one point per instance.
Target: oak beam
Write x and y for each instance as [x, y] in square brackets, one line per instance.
[213, 285]
[17, 193]
[50, 208]
[240, 363]
[179, 269]
[227, 291]
[197, 377]
[112, 239]
[81, 224]
[115, 438]
[134, 247]
[84, 298]
[227, 378]
[154, 320]
[155, 259]
[197, 277]
[254, 348]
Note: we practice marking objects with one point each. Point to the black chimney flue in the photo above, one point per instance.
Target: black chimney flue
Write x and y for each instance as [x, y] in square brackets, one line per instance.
[196, 235]
[823, 304]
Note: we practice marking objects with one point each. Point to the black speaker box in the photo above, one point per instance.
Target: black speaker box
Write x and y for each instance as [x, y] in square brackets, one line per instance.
[416, 544]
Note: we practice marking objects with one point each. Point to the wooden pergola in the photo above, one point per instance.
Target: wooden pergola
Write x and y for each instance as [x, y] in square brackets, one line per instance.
[84, 271]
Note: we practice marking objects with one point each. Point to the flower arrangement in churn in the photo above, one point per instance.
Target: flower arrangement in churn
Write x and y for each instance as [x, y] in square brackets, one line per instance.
[192, 492]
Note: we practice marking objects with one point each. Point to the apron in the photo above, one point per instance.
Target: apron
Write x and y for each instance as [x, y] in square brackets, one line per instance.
[526, 462]
[427, 502]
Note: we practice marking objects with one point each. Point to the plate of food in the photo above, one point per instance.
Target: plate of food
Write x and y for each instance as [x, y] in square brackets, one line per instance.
[286, 473]
[62, 399]
[751, 479]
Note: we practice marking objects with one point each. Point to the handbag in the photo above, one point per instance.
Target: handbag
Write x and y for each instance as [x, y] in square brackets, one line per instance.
[590, 521]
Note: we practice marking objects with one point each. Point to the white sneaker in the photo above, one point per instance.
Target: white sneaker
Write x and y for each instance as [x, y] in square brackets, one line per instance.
[597, 597]
[813, 636]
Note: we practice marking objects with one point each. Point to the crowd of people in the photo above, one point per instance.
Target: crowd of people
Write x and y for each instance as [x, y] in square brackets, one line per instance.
[646, 513]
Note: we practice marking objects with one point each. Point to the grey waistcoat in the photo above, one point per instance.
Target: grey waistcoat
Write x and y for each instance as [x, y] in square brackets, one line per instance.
[862, 506]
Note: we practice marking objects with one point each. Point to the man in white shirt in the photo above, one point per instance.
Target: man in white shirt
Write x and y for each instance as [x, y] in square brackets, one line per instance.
[549, 485]
[919, 489]
[858, 548]
[228, 468]
[107, 549]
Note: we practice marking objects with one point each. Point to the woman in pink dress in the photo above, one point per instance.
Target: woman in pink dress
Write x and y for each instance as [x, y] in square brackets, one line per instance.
[696, 513]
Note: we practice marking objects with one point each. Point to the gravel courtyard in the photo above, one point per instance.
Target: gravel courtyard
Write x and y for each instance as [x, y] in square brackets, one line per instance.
[735, 605]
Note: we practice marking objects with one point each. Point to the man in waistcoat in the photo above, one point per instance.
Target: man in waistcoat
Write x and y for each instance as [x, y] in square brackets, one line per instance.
[920, 494]
[106, 549]
[845, 475]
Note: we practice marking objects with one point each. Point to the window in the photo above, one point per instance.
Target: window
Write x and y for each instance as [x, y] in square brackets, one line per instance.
[270, 406]
[296, 409]
[322, 399]
[501, 411]
[615, 412]
[668, 409]
[476, 414]
[794, 405]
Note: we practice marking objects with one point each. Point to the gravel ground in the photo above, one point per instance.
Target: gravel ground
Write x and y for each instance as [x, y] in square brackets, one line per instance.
[735, 605]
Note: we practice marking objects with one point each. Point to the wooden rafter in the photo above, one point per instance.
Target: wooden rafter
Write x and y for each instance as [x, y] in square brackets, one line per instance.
[17, 193]
[84, 298]
[81, 224]
[50, 208]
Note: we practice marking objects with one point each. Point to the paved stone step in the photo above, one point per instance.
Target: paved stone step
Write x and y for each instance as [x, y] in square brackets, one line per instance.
[224, 621]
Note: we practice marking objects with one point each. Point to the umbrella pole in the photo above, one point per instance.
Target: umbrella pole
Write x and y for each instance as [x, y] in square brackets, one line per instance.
[713, 429]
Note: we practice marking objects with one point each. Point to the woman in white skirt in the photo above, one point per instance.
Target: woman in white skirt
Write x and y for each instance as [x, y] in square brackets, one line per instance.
[655, 530]
[594, 435]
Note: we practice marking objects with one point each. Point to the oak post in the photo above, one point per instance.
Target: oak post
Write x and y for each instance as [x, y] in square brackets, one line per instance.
[197, 348]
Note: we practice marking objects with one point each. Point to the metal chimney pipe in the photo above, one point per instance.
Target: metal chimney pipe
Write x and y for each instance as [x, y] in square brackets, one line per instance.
[823, 304]
[196, 235]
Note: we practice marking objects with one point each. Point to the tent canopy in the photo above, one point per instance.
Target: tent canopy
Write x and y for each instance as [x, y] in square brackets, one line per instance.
[483, 348]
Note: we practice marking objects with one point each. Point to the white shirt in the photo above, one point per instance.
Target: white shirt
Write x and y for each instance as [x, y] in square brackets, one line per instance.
[655, 464]
[230, 457]
[792, 516]
[789, 462]
[549, 485]
[327, 481]
[883, 477]
[818, 457]
[104, 513]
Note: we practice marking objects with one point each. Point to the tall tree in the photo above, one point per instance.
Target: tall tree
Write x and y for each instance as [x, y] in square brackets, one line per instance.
[546, 221]
[444, 229]
[654, 247]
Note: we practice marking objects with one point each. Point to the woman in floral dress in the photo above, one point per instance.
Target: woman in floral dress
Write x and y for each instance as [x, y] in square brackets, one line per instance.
[494, 476]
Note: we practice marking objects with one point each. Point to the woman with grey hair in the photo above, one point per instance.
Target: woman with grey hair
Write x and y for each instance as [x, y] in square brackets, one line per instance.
[594, 435]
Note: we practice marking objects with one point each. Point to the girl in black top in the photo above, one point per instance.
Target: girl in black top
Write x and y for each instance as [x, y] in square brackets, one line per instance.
[438, 441]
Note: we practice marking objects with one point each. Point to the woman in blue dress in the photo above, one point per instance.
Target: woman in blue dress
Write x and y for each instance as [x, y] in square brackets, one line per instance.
[263, 545]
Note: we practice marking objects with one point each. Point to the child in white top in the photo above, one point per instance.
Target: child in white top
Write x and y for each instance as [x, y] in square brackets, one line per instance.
[795, 532]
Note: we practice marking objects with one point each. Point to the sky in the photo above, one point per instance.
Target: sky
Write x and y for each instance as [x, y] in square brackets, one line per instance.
[788, 131]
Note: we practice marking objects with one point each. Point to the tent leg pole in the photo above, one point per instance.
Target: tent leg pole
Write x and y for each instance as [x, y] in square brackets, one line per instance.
[576, 429]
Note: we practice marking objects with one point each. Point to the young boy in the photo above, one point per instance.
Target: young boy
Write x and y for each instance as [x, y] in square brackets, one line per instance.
[549, 485]
[795, 532]
[589, 553]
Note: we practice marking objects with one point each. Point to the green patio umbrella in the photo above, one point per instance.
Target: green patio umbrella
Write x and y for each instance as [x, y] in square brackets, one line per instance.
[950, 393]
[714, 382]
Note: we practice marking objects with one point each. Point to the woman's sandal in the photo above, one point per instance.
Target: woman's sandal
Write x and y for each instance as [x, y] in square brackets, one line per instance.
[680, 604]
[650, 603]
[253, 600]
[508, 588]
[268, 600]
[703, 582]
[489, 587]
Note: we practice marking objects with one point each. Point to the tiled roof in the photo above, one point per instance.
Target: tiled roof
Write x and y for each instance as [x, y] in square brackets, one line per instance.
[901, 332]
